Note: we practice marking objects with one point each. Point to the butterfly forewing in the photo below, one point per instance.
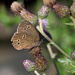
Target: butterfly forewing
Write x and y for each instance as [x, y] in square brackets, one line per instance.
[27, 27]
[23, 41]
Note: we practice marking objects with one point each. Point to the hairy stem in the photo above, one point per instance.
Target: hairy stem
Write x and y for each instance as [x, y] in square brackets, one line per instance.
[73, 19]
[53, 55]
[40, 29]
[36, 72]
[41, 26]
[44, 73]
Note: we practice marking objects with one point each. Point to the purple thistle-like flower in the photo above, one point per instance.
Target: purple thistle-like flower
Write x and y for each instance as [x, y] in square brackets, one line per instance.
[72, 9]
[25, 14]
[16, 7]
[73, 54]
[43, 12]
[40, 62]
[29, 65]
[49, 3]
[61, 10]
[44, 23]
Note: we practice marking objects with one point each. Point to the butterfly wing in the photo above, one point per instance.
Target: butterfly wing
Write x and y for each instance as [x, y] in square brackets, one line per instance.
[27, 27]
[23, 41]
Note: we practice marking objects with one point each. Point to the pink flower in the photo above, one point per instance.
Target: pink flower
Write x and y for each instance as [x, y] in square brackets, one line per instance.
[44, 23]
[29, 65]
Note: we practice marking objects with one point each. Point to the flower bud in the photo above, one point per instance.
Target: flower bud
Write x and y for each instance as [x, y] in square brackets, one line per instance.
[26, 15]
[40, 63]
[36, 51]
[29, 65]
[43, 12]
[16, 7]
[73, 54]
[61, 10]
[49, 3]
[72, 9]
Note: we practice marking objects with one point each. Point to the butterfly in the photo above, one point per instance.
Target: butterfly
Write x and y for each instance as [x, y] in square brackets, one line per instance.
[26, 36]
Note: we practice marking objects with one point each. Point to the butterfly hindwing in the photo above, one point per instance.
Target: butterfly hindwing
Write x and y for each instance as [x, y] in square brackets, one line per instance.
[23, 41]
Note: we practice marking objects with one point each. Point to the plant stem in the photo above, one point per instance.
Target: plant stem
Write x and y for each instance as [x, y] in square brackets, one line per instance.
[44, 73]
[73, 19]
[40, 29]
[53, 55]
[36, 72]
[41, 26]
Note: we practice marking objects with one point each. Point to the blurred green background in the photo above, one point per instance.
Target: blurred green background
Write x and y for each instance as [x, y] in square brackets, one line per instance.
[11, 59]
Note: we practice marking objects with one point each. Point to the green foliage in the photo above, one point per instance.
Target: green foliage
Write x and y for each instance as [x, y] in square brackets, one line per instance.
[64, 36]
[71, 24]
[66, 66]
[8, 20]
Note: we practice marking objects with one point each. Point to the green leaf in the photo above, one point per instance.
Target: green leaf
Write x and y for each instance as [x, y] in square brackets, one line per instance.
[66, 65]
[71, 24]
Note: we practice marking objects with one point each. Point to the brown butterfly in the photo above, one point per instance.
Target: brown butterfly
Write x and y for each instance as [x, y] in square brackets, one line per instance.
[26, 36]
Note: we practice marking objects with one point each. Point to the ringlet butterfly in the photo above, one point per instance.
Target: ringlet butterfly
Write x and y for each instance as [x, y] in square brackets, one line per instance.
[26, 36]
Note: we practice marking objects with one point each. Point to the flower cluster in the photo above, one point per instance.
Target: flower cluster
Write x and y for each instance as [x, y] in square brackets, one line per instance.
[40, 63]
[61, 10]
